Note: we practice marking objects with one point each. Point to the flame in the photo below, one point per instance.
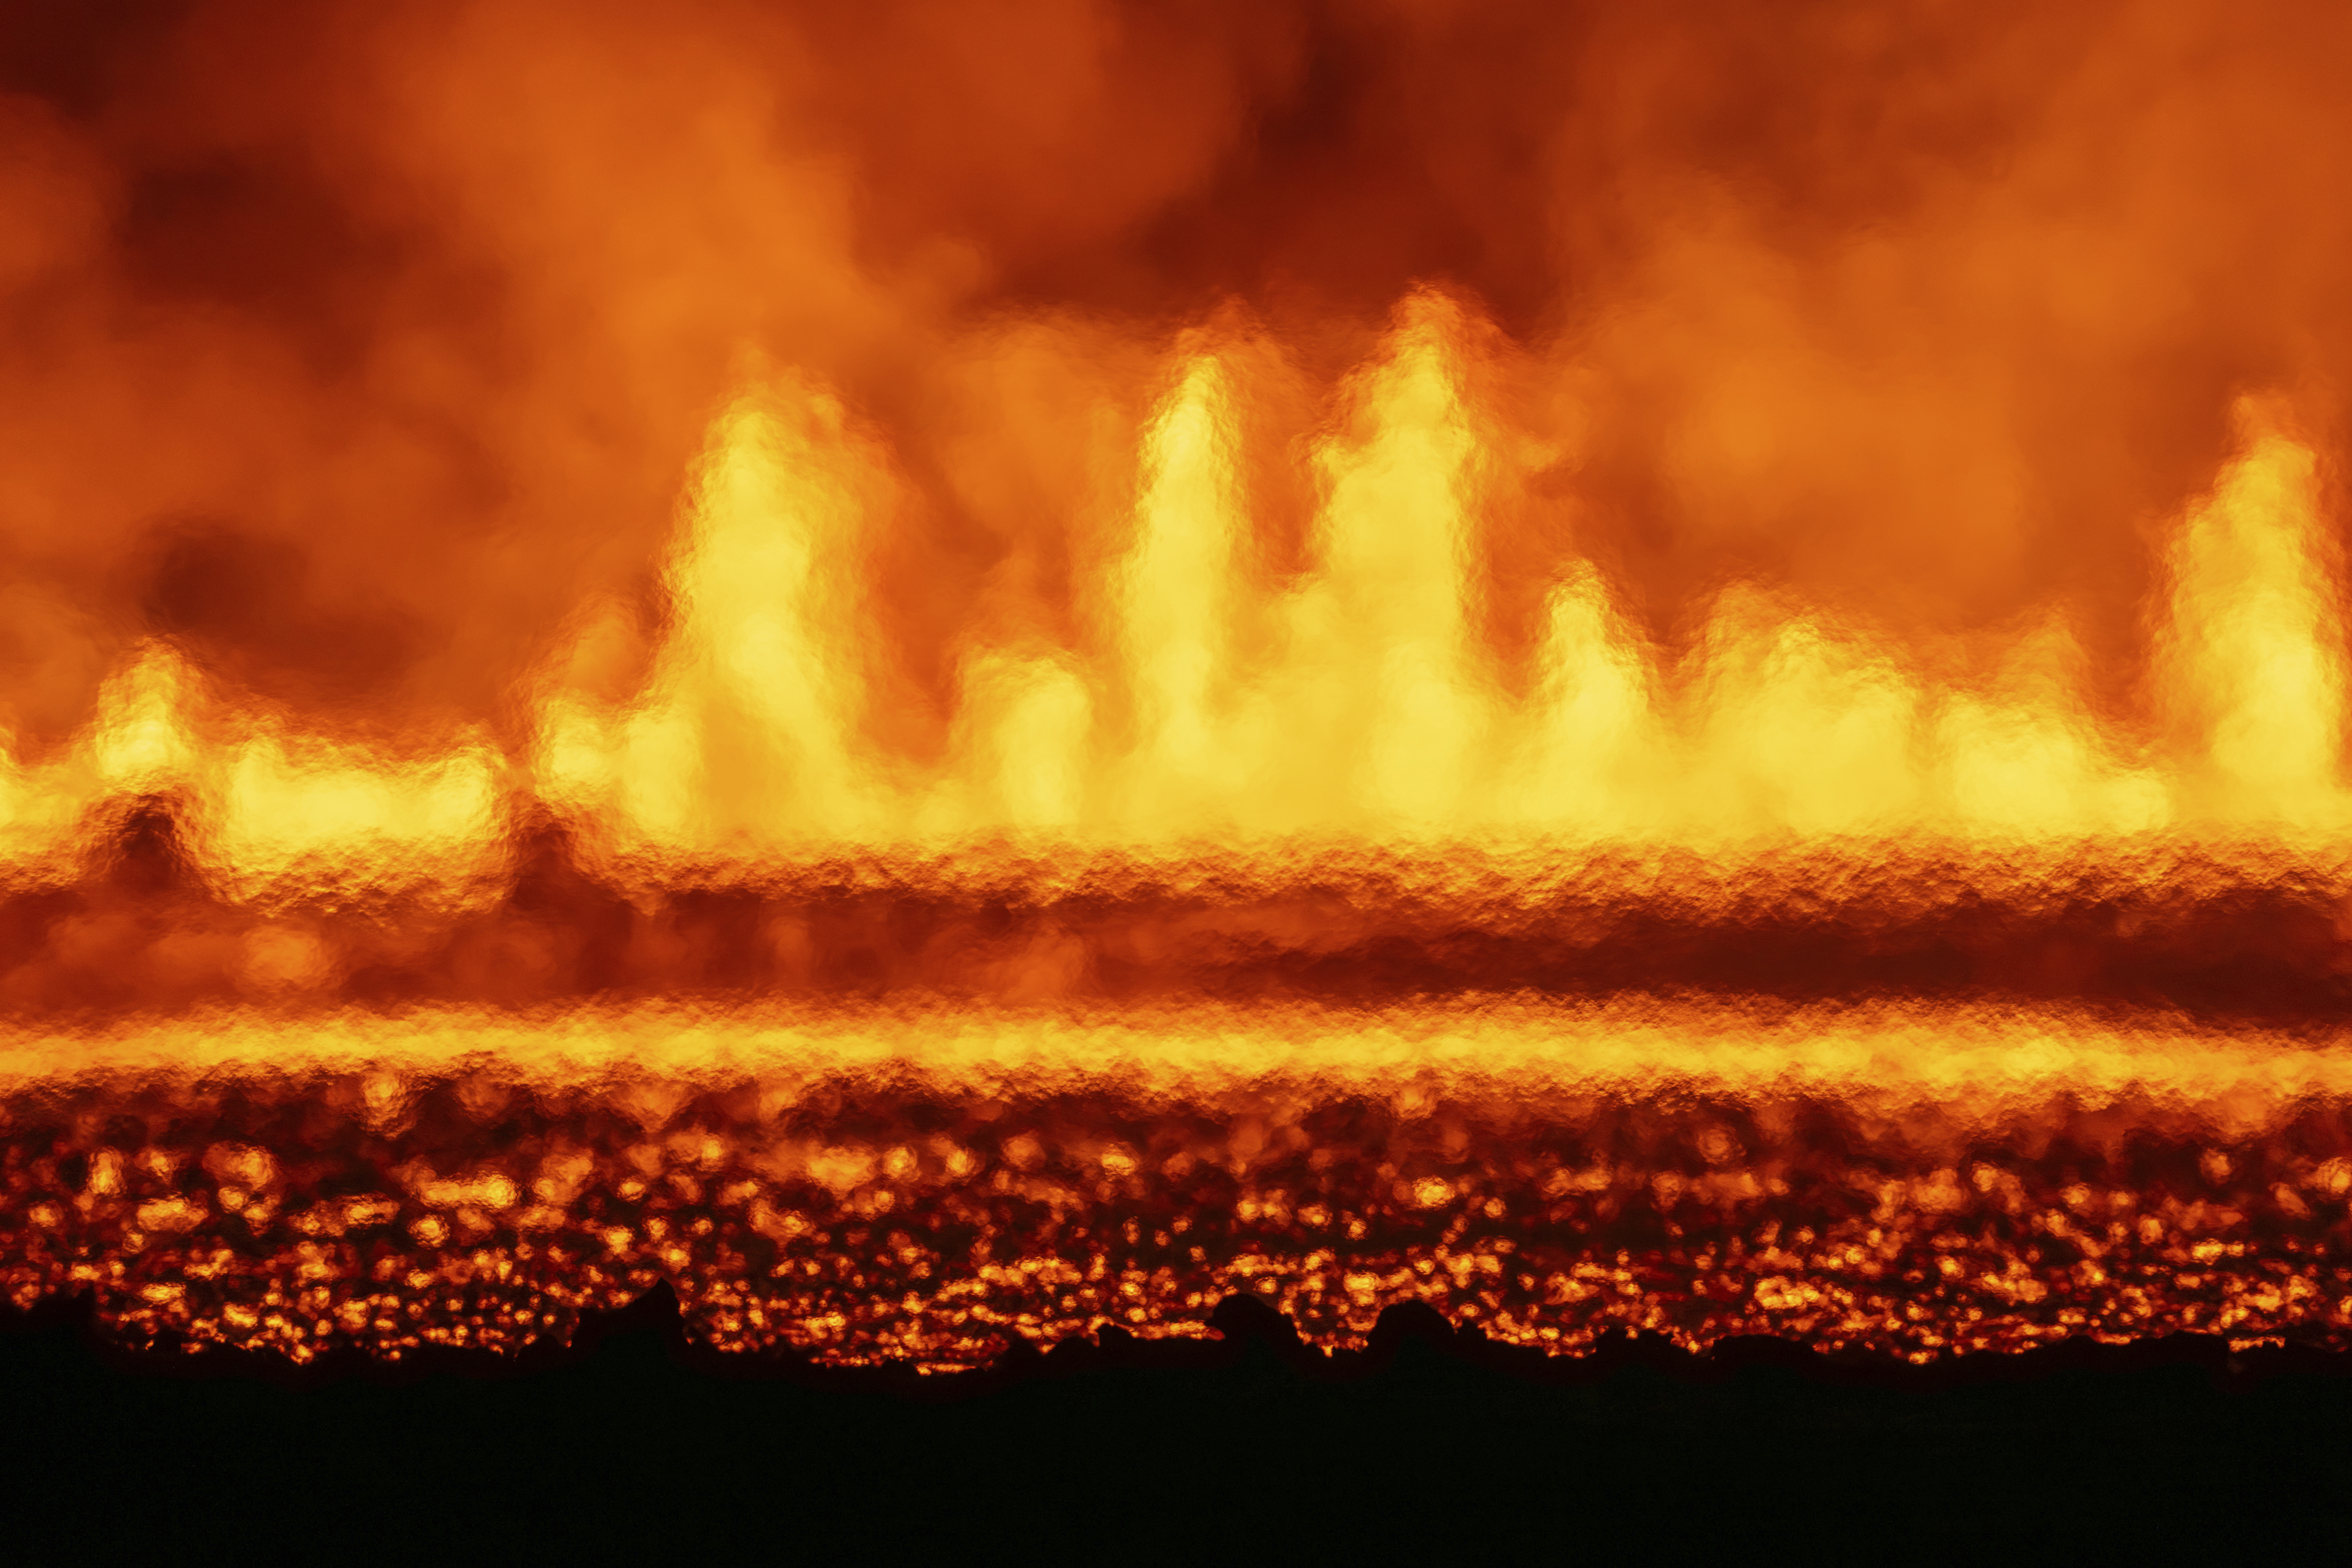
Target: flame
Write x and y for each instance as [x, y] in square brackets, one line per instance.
[949, 678]
[1373, 705]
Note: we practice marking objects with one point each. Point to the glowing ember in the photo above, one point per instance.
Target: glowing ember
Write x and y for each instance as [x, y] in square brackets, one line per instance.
[1703, 806]
[924, 1183]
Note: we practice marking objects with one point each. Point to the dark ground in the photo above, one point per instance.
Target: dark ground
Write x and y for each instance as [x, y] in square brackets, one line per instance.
[1432, 1448]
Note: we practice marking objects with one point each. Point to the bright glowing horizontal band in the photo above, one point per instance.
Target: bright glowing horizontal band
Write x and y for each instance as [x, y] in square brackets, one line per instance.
[1892, 1053]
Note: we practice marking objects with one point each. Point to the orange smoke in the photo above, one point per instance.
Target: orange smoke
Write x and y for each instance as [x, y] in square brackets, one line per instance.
[1577, 532]
[362, 357]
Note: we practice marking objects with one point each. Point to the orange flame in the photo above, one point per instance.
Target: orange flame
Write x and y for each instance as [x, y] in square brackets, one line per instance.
[1374, 706]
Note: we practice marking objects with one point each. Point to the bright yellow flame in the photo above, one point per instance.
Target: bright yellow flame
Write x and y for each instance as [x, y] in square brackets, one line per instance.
[2255, 660]
[1174, 597]
[1806, 732]
[1024, 746]
[140, 742]
[2022, 759]
[1590, 762]
[1363, 699]
[747, 737]
[299, 816]
[1387, 703]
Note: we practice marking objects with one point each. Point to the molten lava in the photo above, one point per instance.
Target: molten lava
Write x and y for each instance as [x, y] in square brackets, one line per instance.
[1759, 782]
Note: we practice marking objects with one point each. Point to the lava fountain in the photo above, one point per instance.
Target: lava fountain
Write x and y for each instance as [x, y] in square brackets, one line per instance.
[945, 680]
